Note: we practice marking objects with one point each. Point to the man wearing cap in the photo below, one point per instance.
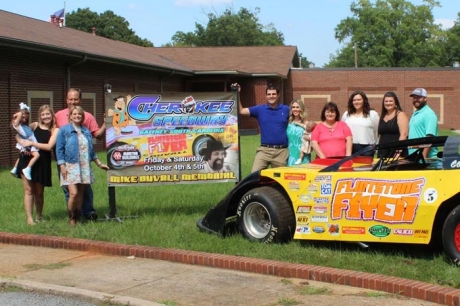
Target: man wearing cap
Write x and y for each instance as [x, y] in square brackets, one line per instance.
[424, 122]
[214, 154]
[273, 118]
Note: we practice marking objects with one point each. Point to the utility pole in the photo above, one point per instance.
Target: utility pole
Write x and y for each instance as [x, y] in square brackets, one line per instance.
[356, 55]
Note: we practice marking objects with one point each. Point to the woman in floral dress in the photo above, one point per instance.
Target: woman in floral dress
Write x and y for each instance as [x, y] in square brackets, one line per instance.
[74, 153]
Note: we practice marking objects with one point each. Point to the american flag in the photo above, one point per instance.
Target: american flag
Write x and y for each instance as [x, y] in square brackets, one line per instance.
[59, 14]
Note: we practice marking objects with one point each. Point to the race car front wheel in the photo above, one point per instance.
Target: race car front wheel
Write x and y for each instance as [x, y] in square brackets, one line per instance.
[264, 214]
[451, 235]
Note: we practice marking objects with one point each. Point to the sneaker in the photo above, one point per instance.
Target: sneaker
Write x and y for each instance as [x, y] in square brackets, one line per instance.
[27, 173]
[91, 217]
[298, 162]
[13, 172]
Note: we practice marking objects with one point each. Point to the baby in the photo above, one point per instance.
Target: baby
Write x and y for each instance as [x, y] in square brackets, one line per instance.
[21, 125]
[305, 149]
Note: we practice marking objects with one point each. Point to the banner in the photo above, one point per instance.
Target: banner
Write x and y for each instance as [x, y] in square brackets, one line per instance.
[172, 138]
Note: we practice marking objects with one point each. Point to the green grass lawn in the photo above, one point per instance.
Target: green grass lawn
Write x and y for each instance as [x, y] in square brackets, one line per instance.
[167, 218]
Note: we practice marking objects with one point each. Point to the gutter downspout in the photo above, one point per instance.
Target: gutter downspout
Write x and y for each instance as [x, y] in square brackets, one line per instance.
[85, 57]
[167, 76]
[10, 111]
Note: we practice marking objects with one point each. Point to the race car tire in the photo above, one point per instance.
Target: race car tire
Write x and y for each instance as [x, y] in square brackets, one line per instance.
[199, 142]
[110, 162]
[451, 235]
[265, 215]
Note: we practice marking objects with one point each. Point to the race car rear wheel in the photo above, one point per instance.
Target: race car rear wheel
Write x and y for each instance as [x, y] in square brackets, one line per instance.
[451, 235]
[264, 214]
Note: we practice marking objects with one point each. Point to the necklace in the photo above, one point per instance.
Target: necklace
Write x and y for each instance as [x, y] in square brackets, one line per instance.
[330, 127]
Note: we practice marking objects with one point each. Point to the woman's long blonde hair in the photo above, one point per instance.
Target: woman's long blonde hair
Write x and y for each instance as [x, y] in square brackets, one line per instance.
[53, 117]
[303, 112]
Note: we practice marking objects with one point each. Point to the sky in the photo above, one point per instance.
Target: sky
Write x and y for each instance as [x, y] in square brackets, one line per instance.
[307, 24]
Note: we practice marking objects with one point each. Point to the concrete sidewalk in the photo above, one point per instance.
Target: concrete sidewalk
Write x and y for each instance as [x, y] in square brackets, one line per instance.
[130, 280]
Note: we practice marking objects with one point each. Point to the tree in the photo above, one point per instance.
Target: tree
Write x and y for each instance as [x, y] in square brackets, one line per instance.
[304, 63]
[107, 25]
[452, 44]
[390, 33]
[230, 29]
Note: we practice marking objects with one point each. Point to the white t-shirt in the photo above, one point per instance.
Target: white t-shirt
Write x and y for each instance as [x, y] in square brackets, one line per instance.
[364, 129]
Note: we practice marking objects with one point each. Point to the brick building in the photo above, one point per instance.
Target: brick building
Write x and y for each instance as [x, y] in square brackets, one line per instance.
[40, 61]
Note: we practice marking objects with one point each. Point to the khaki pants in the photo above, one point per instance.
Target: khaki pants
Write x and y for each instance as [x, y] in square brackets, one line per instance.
[269, 156]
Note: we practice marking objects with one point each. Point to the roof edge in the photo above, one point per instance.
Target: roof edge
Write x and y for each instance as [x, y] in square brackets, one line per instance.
[78, 54]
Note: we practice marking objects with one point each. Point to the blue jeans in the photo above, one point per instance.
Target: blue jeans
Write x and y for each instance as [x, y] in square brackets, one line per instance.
[87, 208]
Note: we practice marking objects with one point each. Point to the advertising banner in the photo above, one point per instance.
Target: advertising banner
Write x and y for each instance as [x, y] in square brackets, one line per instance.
[172, 138]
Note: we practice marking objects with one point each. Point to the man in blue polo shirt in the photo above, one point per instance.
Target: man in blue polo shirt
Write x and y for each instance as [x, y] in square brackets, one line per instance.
[424, 122]
[273, 120]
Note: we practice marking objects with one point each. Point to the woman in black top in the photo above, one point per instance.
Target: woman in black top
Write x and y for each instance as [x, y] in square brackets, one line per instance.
[393, 125]
[46, 133]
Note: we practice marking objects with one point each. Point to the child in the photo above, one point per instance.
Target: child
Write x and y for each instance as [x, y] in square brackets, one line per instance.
[306, 145]
[21, 125]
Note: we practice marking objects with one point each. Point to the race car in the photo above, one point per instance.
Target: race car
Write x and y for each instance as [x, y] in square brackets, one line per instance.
[356, 199]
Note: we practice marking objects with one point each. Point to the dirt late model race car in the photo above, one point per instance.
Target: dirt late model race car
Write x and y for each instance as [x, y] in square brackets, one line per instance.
[356, 198]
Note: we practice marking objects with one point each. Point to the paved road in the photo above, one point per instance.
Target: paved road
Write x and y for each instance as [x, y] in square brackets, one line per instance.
[38, 299]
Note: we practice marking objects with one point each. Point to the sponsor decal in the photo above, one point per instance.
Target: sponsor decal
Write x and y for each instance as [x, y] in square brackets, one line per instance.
[303, 209]
[322, 200]
[320, 209]
[455, 164]
[421, 233]
[323, 179]
[295, 176]
[319, 229]
[389, 201]
[430, 195]
[326, 189]
[302, 220]
[305, 198]
[294, 186]
[303, 230]
[313, 188]
[333, 229]
[403, 231]
[379, 231]
[320, 219]
[125, 155]
[354, 230]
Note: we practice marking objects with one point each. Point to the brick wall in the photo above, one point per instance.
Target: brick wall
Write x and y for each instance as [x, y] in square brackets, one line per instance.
[317, 86]
[23, 72]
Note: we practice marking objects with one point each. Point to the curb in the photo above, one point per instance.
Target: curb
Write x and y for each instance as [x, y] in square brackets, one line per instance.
[89, 295]
[404, 287]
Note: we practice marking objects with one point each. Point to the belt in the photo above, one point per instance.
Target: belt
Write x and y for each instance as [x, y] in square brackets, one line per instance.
[274, 146]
